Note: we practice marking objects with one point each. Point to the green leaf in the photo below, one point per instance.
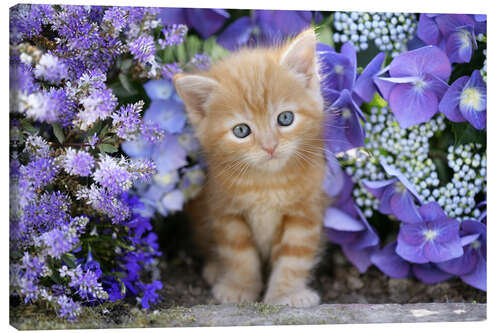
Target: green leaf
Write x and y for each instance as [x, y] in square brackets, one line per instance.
[107, 148]
[126, 84]
[58, 132]
[325, 34]
[465, 133]
[28, 127]
[69, 259]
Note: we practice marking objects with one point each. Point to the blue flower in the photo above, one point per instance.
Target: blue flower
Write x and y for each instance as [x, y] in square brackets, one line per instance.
[264, 26]
[389, 262]
[397, 195]
[471, 267]
[465, 100]
[205, 21]
[435, 238]
[416, 84]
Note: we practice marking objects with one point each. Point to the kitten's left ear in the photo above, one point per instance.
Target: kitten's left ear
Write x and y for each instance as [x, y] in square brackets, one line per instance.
[300, 57]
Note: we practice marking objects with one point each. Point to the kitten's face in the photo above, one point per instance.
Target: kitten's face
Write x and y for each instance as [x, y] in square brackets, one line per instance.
[260, 113]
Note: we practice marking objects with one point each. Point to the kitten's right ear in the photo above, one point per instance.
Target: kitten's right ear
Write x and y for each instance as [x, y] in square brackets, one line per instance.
[194, 90]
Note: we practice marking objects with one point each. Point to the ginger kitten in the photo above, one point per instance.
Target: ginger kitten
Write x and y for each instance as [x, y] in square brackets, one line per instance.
[258, 115]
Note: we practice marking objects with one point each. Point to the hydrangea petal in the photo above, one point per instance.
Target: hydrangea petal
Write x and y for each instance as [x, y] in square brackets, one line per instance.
[236, 34]
[448, 23]
[429, 274]
[439, 252]
[451, 99]
[338, 220]
[477, 278]
[432, 212]
[359, 258]
[159, 89]
[365, 86]
[377, 187]
[428, 31]
[462, 265]
[411, 253]
[390, 263]
[412, 107]
[404, 208]
[426, 60]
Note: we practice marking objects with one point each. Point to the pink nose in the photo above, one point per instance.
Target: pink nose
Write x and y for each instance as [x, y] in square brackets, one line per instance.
[270, 149]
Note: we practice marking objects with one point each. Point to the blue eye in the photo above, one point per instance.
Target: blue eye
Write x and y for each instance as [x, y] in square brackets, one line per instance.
[285, 118]
[241, 131]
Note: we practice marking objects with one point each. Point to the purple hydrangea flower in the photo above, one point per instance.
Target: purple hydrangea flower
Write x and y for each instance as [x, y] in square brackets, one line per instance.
[389, 262]
[169, 154]
[205, 21]
[365, 86]
[397, 195]
[416, 84]
[338, 70]
[78, 163]
[435, 238]
[264, 26]
[465, 100]
[346, 225]
[429, 273]
[168, 114]
[453, 33]
[159, 89]
[471, 267]
[138, 148]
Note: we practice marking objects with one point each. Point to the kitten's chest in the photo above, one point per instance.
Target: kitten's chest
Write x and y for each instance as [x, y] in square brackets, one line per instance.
[264, 222]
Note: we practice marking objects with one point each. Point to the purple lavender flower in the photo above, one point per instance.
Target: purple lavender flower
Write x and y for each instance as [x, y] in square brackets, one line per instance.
[127, 120]
[205, 21]
[465, 100]
[173, 35]
[48, 211]
[416, 84]
[152, 132]
[68, 308]
[435, 238]
[39, 172]
[105, 202]
[59, 241]
[397, 195]
[143, 49]
[51, 69]
[98, 105]
[113, 174]
[471, 267]
[200, 61]
[78, 163]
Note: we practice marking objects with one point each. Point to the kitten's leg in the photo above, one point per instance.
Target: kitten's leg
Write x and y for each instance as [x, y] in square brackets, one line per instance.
[239, 276]
[293, 256]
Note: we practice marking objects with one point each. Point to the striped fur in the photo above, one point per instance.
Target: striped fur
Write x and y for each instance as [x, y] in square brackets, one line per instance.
[256, 211]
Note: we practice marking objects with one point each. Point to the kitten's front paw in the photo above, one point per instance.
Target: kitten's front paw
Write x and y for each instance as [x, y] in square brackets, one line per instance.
[210, 272]
[225, 292]
[302, 298]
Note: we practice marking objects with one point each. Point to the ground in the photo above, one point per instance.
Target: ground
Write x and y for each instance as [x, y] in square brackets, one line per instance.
[186, 299]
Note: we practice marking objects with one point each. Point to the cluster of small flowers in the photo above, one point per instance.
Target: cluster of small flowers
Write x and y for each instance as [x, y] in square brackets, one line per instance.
[406, 149]
[179, 177]
[65, 185]
[389, 31]
[469, 179]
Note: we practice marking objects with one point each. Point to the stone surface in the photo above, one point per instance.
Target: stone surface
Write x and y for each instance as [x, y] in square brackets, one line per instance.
[262, 314]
